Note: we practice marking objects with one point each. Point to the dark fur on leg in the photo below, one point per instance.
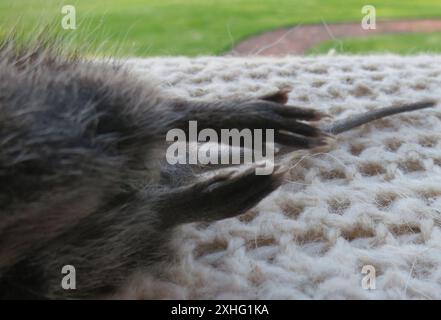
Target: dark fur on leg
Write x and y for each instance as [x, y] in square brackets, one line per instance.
[210, 192]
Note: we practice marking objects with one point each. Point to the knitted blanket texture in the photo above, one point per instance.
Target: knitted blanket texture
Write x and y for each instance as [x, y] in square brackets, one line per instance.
[374, 200]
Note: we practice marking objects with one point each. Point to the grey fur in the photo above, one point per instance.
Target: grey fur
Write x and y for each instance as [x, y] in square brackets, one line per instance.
[80, 177]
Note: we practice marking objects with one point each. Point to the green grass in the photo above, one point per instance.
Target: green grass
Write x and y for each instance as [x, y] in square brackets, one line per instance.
[193, 27]
[403, 43]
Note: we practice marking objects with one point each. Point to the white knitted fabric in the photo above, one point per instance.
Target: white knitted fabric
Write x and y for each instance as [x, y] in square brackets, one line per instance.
[374, 200]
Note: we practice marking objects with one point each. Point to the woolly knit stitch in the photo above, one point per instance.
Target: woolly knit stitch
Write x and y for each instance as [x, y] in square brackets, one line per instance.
[373, 200]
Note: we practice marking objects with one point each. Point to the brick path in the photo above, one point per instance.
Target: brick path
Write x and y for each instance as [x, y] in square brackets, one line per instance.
[298, 39]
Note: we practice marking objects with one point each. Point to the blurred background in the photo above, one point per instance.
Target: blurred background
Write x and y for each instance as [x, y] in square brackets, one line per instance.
[216, 27]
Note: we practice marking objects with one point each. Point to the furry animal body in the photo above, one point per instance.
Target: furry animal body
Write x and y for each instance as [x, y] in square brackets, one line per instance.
[82, 177]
